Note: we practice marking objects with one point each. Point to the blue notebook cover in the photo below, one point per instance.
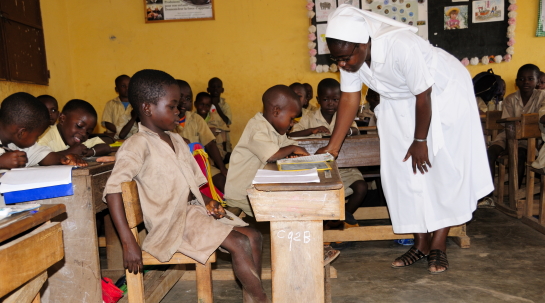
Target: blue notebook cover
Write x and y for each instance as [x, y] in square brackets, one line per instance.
[38, 193]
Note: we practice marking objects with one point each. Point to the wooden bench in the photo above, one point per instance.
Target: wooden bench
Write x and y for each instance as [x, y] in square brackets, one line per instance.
[534, 211]
[154, 285]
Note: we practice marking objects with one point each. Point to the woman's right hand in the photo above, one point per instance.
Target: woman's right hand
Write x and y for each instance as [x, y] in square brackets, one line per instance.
[326, 149]
[132, 257]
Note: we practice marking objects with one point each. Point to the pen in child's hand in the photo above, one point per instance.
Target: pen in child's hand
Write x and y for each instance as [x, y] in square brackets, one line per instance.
[225, 215]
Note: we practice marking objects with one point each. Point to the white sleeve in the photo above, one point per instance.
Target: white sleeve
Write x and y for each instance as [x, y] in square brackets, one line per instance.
[36, 153]
[350, 82]
[414, 68]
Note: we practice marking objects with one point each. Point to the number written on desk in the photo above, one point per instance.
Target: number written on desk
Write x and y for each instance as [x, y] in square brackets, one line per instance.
[294, 236]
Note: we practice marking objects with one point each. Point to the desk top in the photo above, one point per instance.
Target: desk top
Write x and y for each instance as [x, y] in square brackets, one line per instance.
[94, 168]
[328, 181]
[510, 119]
[23, 221]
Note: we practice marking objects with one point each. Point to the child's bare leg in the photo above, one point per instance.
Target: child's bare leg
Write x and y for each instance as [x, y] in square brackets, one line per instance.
[256, 241]
[219, 182]
[355, 200]
[239, 245]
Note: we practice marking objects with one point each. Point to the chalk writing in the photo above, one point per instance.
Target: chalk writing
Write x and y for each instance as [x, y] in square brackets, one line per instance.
[294, 236]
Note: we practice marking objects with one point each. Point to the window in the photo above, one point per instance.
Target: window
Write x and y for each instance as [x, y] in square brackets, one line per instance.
[22, 48]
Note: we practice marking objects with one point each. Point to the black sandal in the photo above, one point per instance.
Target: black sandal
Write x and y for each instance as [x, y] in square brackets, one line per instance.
[437, 258]
[412, 256]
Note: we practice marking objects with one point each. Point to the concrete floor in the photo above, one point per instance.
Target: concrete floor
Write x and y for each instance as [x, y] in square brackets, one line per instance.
[504, 264]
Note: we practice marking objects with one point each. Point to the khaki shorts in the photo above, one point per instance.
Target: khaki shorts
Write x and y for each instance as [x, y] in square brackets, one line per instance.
[242, 204]
[348, 177]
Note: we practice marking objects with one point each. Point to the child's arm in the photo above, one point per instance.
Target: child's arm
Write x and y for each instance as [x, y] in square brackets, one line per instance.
[78, 149]
[13, 159]
[127, 128]
[132, 253]
[58, 158]
[310, 131]
[288, 150]
[110, 126]
[220, 111]
[99, 150]
[214, 153]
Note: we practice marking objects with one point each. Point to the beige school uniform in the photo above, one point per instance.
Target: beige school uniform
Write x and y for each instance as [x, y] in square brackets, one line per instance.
[53, 139]
[34, 154]
[115, 113]
[258, 143]
[165, 178]
[221, 129]
[196, 130]
[316, 119]
[226, 108]
[513, 107]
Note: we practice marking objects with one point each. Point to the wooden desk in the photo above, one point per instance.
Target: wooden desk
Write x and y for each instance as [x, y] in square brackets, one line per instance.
[518, 128]
[77, 278]
[296, 212]
[24, 259]
[364, 150]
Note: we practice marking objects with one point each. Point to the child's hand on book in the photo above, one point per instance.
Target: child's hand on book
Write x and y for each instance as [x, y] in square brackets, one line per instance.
[75, 160]
[79, 149]
[320, 129]
[214, 209]
[299, 152]
[13, 159]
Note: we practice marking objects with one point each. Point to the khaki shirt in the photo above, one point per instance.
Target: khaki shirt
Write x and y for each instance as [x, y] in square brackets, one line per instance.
[195, 129]
[316, 119]
[258, 143]
[53, 139]
[226, 109]
[513, 107]
[165, 179]
[115, 113]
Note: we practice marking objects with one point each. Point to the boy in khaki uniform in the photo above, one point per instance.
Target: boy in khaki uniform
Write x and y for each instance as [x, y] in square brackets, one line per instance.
[263, 140]
[118, 116]
[203, 103]
[310, 95]
[167, 176]
[323, 122]
[70, 135]
[222, 108]
[193, 128]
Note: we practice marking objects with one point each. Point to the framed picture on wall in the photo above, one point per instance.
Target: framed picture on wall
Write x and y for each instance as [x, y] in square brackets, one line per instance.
[178, 10]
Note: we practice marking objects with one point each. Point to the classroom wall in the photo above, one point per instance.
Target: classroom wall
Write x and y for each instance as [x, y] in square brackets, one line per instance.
[251, 46]
[59, 57]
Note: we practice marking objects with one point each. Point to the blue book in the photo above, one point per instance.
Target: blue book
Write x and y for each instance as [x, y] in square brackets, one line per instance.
[39, 193]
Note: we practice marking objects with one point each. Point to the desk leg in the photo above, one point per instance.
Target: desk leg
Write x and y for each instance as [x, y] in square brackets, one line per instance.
[512, 145]
[297, 261]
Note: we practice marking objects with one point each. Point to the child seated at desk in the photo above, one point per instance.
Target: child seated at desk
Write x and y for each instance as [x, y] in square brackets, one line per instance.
[488, 87]
[118, 116]
[77, 121]
[323, 121]
[203, 103]
[524, 101]
[300, 90]
[22, 120]
[222, 108]
[310, 95]
[52, 106]
[167, 176]
[193, 128]
[264, 140]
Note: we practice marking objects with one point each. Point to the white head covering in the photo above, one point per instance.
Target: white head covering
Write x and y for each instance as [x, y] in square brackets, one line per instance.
[354, 25]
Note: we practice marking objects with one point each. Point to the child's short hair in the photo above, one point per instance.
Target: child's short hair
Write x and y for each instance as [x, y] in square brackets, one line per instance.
[182, 83]
[148, 85]
[215, 79]
[25, 111]
[529, 68]
[541, 74]
[328, 83]
[77, 104]
[45, 97]
[119, 78]
[295, 85]
[202, 95]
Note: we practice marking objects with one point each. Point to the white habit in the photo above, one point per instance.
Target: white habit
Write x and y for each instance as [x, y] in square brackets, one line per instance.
[404, 65]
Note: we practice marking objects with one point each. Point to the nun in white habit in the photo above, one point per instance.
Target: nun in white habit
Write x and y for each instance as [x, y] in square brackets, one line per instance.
[432, 152]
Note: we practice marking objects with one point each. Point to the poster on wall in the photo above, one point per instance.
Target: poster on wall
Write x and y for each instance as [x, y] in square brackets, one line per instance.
[354, 3]
[541, 20]
[320, 37]
[488, 11]
[410, 12]
[178, 10]
[323, 8]
[455, 17]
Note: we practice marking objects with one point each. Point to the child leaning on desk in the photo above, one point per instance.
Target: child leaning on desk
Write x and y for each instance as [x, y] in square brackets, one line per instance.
[71, 135]
[263, 140]
[167, 176]
[323, 121]
[22, 120]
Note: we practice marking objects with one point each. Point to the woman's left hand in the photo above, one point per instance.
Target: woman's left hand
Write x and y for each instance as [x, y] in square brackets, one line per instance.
[418, 151]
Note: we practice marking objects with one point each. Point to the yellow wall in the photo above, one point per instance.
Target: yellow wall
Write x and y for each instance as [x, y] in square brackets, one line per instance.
[251, 46]
[57, 45]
